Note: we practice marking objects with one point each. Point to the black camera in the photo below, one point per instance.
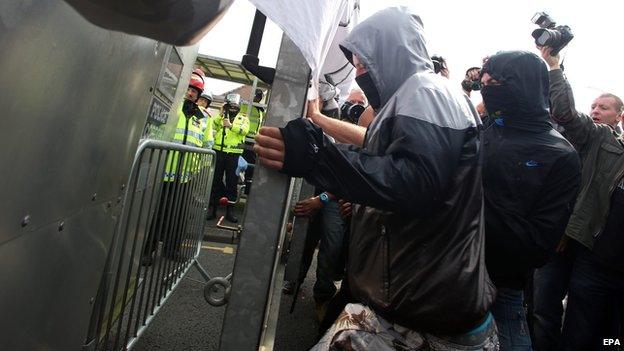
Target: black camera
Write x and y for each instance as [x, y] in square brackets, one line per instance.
[550, 34]
[190, 109]
[351, 112]
[439, 63]
[471, 85]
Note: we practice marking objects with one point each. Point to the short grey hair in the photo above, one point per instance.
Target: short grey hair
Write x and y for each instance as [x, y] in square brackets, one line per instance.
[619, 105]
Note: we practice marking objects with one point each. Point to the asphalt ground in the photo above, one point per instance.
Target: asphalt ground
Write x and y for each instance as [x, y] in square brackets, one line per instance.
[188, 322]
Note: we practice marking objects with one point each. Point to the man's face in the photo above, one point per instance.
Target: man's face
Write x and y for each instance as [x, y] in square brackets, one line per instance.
[257, 98]
[486, 80]
[232, 109]
[192, 94]
[357, 97]
[359, 66]
[604, 110]
[202, 102]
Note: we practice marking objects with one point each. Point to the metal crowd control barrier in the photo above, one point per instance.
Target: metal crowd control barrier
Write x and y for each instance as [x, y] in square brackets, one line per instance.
[157, 241]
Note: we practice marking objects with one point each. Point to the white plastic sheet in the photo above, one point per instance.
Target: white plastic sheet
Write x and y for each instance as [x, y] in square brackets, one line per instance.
[310, 24]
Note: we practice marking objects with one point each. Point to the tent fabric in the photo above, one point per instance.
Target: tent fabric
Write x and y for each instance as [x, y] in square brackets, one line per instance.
[310, 24]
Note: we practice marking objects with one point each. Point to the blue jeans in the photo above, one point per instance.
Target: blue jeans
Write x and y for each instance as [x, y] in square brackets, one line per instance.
[510, 317]
[550, 286]
[330, 259]
[592, 312]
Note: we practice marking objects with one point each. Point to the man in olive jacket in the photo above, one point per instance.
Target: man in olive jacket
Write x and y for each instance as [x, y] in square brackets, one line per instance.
[596, 226]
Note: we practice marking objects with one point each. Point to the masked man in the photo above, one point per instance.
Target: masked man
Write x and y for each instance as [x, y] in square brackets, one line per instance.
[415, 261]
[530, 179]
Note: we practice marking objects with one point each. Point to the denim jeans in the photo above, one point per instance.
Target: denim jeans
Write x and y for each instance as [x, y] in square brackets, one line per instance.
[550, 286]
[330, 259]
[592, 312]
[510, 317]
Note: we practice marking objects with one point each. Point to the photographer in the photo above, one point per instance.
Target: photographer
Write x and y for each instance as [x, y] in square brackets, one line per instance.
[230, 131]
[530, 179]
[596, 226]
[471, 80]
[354, 106]
[440, 67]
[415, 256]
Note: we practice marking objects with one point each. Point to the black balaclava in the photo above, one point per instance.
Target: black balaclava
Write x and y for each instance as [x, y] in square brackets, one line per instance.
[365, 82]
[521, 100]
[500, 99]
[232, 111]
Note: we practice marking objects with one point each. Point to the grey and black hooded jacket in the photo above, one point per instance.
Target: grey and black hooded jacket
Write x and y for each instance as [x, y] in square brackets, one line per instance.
[416, 251]
[531, 173]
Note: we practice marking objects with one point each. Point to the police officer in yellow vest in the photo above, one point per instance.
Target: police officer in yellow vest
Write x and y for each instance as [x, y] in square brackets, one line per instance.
[204, 102]
[256, 117]
[179, 169]
[230, 131]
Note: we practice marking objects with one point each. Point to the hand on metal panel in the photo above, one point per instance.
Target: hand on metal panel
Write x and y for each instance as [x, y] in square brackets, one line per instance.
[270, 147]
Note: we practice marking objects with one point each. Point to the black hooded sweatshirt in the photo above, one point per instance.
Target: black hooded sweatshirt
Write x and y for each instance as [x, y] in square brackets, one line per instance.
[531, 173]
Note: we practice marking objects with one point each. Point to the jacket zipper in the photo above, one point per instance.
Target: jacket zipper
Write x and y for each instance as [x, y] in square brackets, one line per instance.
[385, 265]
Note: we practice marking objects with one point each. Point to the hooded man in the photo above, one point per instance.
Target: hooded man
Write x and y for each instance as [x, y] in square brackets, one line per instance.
[531, 176]
[415, 256]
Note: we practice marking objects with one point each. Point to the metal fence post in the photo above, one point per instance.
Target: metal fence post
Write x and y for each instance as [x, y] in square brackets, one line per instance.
[259, 249]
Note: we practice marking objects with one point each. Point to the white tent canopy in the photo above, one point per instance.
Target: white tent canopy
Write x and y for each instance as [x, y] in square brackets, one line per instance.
[312, 25]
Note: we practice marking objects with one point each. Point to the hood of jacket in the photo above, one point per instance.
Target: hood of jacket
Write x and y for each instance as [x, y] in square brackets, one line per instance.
[391, 55]
[526, 76]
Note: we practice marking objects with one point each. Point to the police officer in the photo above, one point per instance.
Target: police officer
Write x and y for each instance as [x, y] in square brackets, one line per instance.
[256, 117]
[178, 176]
[230, 131]
[204, 102]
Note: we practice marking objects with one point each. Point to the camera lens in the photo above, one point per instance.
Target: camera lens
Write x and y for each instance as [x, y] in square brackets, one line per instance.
[356, 111]
[547, 37]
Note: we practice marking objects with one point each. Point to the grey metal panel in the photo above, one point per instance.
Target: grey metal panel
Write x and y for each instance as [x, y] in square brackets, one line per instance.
[47, 282]
[255, 265]
[73, 103]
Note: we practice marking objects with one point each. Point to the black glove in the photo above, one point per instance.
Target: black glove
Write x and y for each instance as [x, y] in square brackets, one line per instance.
[302, 142]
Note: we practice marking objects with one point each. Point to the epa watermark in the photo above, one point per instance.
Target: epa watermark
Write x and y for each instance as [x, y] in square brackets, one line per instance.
[611, 342]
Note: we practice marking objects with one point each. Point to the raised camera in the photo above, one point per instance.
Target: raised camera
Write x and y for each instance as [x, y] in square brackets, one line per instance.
[549, 34]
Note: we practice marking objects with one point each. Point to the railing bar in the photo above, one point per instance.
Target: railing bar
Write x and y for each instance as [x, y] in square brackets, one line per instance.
[149, 236]
[162, 223]
[141, 223]
[173, 223]
[131, 260]
[126, 221]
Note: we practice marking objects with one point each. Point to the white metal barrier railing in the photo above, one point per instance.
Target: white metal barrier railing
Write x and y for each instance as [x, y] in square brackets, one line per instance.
[157, 240]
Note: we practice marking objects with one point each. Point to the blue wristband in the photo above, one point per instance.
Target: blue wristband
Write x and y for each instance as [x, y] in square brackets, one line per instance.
[324, 198]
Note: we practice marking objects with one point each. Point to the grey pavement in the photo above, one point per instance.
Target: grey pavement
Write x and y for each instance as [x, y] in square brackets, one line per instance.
[187, 322]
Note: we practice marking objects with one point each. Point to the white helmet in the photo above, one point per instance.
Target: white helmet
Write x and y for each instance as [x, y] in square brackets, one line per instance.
[207, 95]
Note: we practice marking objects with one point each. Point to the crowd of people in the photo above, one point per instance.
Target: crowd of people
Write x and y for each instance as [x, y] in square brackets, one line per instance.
[226, 133]
[455, 227]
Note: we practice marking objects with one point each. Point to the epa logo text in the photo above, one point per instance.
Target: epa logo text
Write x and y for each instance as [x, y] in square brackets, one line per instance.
[611, 342]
